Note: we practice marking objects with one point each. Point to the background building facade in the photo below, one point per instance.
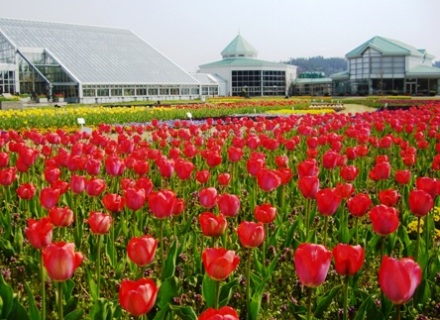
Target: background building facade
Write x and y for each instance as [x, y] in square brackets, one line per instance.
[244, 75]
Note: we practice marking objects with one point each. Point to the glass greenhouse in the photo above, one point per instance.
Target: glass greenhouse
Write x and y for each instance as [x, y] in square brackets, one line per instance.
[85, 64]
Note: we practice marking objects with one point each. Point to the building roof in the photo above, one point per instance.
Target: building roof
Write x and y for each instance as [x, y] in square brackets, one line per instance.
[239, 47]
[205, 78]
[387, 47]
[423, 71]
[96, 54]
[312, 80]
[242, 62]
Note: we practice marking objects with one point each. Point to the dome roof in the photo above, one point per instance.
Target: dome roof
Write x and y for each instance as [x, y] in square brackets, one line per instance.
[239, 47]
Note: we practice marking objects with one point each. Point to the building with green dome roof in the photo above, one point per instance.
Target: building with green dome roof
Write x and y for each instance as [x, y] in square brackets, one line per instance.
[241, 73]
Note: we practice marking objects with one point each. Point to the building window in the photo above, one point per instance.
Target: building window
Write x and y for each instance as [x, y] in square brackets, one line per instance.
[141, 91]
[152, 91]
[116, 92]
[102, 92]
[89, 92]
[129, 92]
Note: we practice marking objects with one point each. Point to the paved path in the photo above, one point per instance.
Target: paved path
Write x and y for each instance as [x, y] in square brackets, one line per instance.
[356, 108]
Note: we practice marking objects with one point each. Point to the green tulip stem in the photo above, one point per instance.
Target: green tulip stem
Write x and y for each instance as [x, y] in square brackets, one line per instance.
[162, 250]
[43, 289]
[60, 300]
[248, 283]
[325, 229]
[309, 303]
[264, 248]
[98, 264]
[426, 231]
[398, 311]
[307, 218]
[356, 230]
[382, 244]
[416, 249]
[346, 280]
[217, 294]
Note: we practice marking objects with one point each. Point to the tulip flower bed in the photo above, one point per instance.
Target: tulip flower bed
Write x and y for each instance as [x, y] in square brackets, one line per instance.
[325, 216]
[66, 117]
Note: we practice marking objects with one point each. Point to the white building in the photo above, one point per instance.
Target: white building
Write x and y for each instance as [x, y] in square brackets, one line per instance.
[240, 73]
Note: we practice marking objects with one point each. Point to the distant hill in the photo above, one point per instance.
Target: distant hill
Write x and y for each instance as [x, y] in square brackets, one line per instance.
[327, 66]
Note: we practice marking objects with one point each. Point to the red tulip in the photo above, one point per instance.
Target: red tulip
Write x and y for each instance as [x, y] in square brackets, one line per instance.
[202, 176]
[282, 161]
[77, 183]
[398, 279]
[420, 202]
[208, 197]
[344, 190]
[138, 297]
[235, 154]
[93, 166]
[7, 176]
[402, 176]
[52, 174]
[213, 158]
[212, 225]
[309, 186]
[99, 223]
[114, 166]
[224, 179]
[381, 171]
[330, 159]
[327, 201]
[268, 179]
[183, 169]
[39, 232]
[385, 220]
[265, 213]
[308, 167]
[141, 167]
[251, 234]
[26, 191]
[141, 250]
[348, 259]
[219, 263]
[224, 313]
[359, 204]
[165, 166]
[312, 262]
[61, 260]
[431, 186]
[61, 217]
[285, 175]
[228, 204]
[134, 198]
[255, 163]
[163, 203]
[349, 173]
[49, 197]
[113, 202]
[4, 159]
[388, 197]
[95, 186]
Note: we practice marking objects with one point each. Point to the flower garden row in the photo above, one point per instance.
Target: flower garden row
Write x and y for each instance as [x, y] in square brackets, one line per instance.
[317, 215]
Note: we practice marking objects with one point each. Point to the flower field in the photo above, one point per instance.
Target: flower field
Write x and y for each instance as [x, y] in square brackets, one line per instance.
[305, 216]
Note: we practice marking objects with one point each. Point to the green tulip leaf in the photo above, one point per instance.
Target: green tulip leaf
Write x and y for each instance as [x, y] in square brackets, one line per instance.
[33, 310]
[184, 312]
[167, 291]
[7, 297]
[226, 292]
[208, 290]
[17, 311]
[324, 301]
[76, 314]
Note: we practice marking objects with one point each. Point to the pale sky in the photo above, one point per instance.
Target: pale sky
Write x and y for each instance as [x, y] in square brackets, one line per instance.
[194, 32]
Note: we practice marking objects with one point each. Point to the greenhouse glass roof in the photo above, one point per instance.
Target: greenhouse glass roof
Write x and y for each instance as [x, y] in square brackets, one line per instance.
[96, 54]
